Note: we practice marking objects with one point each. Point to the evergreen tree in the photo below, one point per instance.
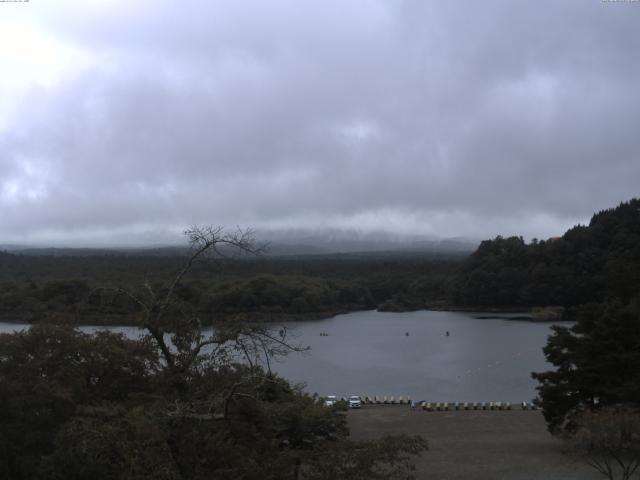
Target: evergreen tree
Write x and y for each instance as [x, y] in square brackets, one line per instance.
[597, 364]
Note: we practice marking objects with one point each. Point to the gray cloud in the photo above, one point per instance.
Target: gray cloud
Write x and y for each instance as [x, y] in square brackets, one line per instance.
[459, 118]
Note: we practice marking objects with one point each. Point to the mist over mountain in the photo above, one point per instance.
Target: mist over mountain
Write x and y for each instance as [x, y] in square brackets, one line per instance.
[282, 242]
[300, 241]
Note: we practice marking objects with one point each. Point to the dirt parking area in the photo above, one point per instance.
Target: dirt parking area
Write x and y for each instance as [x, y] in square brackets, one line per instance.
[484, 445]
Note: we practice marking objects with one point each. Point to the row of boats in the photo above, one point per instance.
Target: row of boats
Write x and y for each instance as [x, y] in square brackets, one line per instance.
[445, 406]
[433, 406]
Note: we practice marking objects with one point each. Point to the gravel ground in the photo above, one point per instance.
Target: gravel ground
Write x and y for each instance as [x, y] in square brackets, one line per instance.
[484, 445]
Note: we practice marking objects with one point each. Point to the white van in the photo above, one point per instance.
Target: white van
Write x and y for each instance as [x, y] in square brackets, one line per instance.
[330, 401]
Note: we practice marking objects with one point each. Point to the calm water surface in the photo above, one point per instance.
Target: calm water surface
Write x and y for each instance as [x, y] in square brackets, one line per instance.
[369, 353]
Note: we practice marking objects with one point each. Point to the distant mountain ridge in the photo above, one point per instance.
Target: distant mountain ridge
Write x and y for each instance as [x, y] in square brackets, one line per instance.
[331, 241]
[279, 245]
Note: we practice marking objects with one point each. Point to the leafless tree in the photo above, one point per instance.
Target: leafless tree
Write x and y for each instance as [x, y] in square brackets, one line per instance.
[179, 335]
[609, 441]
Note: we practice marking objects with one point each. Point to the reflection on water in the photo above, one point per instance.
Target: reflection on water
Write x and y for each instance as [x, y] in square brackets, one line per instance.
[370, 353]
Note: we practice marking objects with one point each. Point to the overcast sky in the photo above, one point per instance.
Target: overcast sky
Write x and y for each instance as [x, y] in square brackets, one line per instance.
[125, 121]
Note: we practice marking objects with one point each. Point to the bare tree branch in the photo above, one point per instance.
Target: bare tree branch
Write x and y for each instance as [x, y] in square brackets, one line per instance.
[186, 344]
[609, 441]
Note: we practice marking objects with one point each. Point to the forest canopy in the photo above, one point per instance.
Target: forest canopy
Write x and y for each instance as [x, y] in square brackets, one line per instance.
[587, 264]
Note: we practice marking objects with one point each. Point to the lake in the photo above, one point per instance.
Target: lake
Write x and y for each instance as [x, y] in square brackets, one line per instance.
[370, 353]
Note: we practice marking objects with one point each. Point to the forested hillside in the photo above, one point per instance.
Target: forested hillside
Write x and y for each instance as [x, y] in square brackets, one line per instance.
[590, 263]
[587, 264]
[596, 271]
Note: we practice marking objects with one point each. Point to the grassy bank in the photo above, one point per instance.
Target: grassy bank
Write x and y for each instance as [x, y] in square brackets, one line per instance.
[465, 445]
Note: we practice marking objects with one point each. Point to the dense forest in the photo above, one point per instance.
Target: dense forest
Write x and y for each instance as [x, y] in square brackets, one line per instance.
[85, 288]
[594, 270]
[589, 263]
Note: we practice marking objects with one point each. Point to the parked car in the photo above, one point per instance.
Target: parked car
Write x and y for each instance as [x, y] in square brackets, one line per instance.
[330, 401]
[355, 401]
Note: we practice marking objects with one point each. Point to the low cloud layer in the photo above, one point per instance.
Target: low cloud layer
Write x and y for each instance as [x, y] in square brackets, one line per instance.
[123, 122]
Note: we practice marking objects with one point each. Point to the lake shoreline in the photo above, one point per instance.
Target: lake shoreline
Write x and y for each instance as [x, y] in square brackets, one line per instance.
[545, 314]
[533, 314]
